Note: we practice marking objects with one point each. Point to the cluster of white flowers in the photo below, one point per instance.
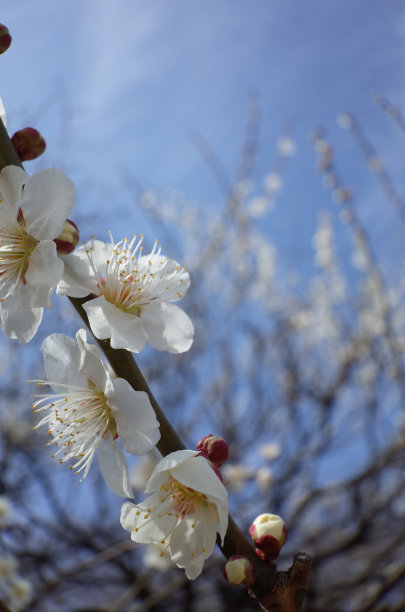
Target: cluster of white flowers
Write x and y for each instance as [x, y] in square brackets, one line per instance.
[88, 410]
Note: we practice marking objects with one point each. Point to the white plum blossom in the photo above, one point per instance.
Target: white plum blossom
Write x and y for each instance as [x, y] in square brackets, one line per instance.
[90, 410]
[131, 295]
[33, 210]
[188, 505]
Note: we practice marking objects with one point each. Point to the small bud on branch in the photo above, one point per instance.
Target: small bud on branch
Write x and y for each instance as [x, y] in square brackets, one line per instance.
[214, 448]
[5, 38]
[28, 143]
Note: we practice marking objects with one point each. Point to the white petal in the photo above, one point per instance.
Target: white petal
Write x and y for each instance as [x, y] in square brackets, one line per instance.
[98, 323]
[61, 361]
[197, 474]
[167, 327]
[136, 421]
[178, 284]
[125, 330]
[149, 531]
[12, 179]
[183, 543]
[44, 271]
[167, 463]
[194, 568]
[47, 201]
[18, 319]
[113, 467]
[78, 279]
[100, 253]
[91, 365]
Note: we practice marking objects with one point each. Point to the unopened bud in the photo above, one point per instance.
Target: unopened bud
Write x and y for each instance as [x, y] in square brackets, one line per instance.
[269, 533]
[5, 38]
[28, 143]
[214, 448]
[68, 238]
[238, 570]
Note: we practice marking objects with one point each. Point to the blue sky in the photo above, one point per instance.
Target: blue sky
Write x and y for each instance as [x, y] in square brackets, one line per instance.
[125, 83]
[116, 84]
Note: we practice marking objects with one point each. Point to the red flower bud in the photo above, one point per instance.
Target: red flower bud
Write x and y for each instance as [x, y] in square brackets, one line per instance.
[214, 448]
[269, 533]
[68, 238]
[5, 38]
[28, 143]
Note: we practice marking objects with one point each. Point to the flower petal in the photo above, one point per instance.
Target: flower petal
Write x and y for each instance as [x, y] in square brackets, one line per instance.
[167, 327]
[91, 365]
[47, 201]
[171, 269]
[12, 179]
[108, 321]
[44, 271]
[187, 550]
[113, 467]
[61, 361]
[98, 323]
[208, 481]
[167, 463]
[77, 279]
[136, 421]
[145, 531]
[19, 320]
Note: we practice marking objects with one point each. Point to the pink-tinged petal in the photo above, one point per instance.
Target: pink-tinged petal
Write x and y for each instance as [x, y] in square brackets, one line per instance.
[136, 421]
[91, 365]
[167, 327]
[62, 360]
[113, 467]
[12, 179]
[47, 201]
[44, 271]
[98, 323]
[78, 279]
[166, 464]
[18, 319]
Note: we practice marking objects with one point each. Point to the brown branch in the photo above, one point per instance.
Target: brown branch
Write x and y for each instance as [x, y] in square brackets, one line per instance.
[288, 593]
[275, 591]
[3, 607]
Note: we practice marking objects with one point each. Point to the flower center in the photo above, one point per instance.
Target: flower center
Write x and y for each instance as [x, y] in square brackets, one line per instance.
[76, 421]
[131, 280]
[16, 247]
[184, 499]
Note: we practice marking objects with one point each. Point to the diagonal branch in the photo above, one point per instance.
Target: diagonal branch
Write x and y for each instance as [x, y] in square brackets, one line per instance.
[275, 591]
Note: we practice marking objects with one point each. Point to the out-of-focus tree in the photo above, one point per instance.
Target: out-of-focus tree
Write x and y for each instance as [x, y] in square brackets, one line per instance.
[306, 382]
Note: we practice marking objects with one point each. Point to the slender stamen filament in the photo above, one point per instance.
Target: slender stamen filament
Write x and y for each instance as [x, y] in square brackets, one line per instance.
[16, 246]
[77, 420]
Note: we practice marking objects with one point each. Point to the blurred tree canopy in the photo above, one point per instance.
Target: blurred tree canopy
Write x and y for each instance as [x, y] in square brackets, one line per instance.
[305, 379]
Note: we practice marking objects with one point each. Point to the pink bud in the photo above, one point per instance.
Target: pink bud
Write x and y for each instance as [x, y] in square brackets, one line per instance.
[238, 569]
[28, 143]
[68, 238]
[269, 533]
[5, 38]
[214, 448]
